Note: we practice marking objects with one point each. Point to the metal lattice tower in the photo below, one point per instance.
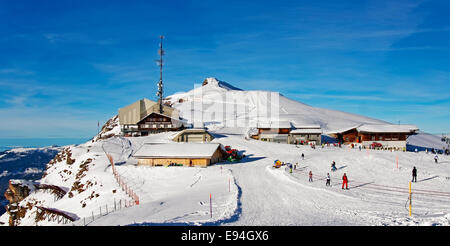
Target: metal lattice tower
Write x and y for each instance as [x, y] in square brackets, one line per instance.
[159, 94]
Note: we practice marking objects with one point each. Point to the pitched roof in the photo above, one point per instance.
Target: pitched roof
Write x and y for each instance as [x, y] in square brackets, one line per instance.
[177, 150]
[274, 124]
[300, 126]
[307, 130]
[387, 128]
[192, 130]
[342, 130]
[138, 110]
[379, 128]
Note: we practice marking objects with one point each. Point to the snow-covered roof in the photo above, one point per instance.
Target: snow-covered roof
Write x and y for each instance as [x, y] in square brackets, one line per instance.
[300, 126]
[192, 130]
[343, 129]
[306, 131]
[274, 124]
[387, 128]
[380, 128]
[177, 150]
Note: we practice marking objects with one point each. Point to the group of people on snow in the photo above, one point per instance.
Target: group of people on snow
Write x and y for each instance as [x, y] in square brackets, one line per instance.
[328, 180]
[328, 177]
[344, 177]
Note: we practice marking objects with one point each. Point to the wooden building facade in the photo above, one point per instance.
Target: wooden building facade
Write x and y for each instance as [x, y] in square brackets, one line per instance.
[387, 135]
[273, 132]
[306, 135]
[186, 154]
[143, 117]
[193, 136]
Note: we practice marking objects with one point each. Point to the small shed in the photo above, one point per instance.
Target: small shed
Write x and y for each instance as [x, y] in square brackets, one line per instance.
[193, 135]
[186, 154]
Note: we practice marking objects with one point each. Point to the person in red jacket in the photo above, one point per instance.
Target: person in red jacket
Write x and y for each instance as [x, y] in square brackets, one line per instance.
[345, 182]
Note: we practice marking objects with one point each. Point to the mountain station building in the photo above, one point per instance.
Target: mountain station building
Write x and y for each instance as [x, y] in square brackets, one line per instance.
[143, 117]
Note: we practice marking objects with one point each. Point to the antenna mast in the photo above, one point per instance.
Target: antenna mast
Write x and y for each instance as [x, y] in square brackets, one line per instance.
[160, 83]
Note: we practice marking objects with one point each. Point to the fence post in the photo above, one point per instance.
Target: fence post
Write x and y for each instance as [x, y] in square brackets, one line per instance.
[100, 211]
[114, 204]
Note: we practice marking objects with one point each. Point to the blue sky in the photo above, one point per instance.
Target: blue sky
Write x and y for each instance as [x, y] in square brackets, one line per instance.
[64, 65]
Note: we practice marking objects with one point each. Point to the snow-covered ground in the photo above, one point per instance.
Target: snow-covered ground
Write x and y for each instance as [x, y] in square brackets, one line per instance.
[249, 192]
[177, 195]
[378, 190]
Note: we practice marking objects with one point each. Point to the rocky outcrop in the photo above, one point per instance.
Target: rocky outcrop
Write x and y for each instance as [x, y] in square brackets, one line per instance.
[64, 155]
[16, 192]
[108, 130]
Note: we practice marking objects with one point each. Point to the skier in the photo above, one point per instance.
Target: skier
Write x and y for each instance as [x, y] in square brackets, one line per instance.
[414, 175]
[328, 180]
[435, 159]
[310, 176]
[360, 148]
[333, 166]
[290, 167]
[303, 156]
[345, 182]
[295, 166]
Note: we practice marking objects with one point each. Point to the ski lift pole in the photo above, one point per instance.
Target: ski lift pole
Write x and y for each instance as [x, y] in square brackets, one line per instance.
[410, 200]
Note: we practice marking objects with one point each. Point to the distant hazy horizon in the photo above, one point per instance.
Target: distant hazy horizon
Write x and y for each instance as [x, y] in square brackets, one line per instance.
[11, 143]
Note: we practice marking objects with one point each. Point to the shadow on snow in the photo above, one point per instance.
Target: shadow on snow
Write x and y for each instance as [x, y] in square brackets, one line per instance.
[235, 217]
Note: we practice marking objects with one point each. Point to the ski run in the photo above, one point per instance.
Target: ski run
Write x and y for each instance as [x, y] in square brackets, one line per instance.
[249, 192]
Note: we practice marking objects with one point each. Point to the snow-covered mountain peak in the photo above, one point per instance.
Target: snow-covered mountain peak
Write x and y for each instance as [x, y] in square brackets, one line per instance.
[219, 104]
[214, 82]
[224, 108]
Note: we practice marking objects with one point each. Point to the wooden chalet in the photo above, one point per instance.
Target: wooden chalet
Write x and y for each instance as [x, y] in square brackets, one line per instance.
[186, 154]
[143, 117]
[388, 135]
[273, 132]
[305, 134]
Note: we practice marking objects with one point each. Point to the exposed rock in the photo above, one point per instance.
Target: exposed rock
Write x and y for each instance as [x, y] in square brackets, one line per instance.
[16, 192]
